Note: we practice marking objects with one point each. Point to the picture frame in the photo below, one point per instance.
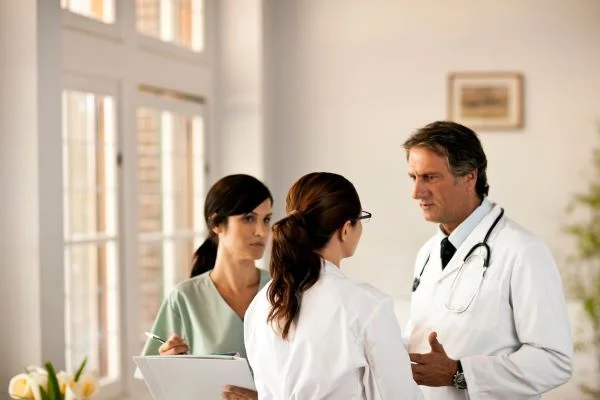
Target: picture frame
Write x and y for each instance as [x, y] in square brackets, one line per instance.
[486, 100]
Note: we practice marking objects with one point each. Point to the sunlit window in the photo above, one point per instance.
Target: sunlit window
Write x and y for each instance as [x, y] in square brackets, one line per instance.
[90, 229]
[101, 10]
[180, 22]
[171, 184]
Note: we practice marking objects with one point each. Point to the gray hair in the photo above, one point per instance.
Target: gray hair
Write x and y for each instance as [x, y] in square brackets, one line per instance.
[459, 144]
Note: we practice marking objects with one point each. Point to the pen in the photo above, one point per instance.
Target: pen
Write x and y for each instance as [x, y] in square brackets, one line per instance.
[153, 336]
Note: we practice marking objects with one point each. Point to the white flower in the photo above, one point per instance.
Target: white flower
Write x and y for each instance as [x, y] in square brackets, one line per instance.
[19, 387]
[36, 369]
[64, 380]
[38, 379]
[85, 388]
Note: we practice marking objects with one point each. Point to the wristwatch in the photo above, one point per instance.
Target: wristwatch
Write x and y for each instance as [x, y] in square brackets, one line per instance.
[459, 378]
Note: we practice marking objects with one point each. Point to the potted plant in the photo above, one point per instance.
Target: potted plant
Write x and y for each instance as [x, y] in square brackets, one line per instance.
[583, 282]
[46, 384]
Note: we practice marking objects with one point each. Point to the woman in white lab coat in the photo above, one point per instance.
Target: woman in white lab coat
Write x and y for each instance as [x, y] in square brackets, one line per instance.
[312, 333]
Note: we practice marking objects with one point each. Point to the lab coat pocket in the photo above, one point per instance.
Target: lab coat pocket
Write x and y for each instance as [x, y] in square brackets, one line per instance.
[475, 300]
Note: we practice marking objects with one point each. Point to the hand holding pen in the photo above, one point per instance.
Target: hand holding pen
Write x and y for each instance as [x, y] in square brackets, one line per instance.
[172, 346]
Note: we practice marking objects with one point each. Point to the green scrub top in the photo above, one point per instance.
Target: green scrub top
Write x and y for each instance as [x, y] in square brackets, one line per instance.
[196, 311]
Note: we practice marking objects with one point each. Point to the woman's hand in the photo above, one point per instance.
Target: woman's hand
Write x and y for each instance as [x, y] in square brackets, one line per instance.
[173, 346]
[238, 393]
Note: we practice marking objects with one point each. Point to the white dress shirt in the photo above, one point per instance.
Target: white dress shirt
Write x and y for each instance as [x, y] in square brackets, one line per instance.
[346, 345]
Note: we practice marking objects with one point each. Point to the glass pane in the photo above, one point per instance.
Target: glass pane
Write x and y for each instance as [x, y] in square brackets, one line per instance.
[91, 307]
[182, 184]
[184, 253]
[149, 172]
[151, 288]
[101, 10]
[89, 164]
[152, 259]
[149, 213]
[180, 22]
[171, 178]
[90, 221]
[148, 17]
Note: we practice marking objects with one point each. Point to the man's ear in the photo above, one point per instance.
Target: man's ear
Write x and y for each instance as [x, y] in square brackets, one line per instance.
[471, 179]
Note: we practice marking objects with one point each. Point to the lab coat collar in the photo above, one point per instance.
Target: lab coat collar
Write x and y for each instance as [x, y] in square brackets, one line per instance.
[462, 231]
[477, 235]
[330, 268]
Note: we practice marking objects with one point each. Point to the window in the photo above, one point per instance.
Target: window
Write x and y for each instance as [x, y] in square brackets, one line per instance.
[101, 10]
[171, 185]
[130, 228]
[90, 229]
[180, 22]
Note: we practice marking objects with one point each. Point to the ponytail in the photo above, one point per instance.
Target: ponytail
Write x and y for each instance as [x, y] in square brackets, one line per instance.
[318, 205]
[294, 268]
[205, 256]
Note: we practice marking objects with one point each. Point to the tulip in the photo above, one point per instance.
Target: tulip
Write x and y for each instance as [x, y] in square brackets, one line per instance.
[64, 380]
[84, 388]
[38, 379]
[19, 387]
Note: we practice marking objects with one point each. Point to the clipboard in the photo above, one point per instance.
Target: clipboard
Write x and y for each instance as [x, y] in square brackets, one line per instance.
[188, 377]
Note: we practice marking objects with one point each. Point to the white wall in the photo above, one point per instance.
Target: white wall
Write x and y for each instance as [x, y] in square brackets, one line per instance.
[346, 81]
[239, 80]
[30, 172]
[19, 232]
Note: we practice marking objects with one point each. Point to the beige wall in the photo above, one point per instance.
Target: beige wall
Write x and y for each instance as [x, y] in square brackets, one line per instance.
[348, 80]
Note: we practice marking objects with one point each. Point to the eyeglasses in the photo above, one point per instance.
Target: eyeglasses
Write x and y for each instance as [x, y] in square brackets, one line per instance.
[365, 216]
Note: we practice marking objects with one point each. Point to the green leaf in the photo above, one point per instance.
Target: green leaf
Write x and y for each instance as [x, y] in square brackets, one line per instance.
[45, 395]
[53, 386]
[590, 306]
[590, 392]
[80, 369]
[579, 345]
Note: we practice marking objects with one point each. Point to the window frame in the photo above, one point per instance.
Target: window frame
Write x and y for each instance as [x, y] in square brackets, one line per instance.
[172, 50]
[107, 30]
[187, 108]
[111, 388]
[109, 59]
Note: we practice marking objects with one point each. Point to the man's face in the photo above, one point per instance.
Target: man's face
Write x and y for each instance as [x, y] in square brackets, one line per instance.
[443, 198]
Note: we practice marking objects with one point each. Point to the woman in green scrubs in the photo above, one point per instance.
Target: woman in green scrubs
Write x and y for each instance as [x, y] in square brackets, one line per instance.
[204, 314]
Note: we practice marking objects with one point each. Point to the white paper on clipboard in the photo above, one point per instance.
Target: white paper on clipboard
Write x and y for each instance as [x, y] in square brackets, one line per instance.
[193, 377]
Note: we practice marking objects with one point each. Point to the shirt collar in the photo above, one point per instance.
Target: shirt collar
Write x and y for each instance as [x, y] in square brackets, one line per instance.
[330, 268]
[462, 231]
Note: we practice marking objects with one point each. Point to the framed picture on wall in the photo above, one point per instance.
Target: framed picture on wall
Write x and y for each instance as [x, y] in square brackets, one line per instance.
[486, 100]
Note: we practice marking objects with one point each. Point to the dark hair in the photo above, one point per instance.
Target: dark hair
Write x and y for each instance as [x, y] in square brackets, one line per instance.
[232, 195]
[318, 204]
[459, 144]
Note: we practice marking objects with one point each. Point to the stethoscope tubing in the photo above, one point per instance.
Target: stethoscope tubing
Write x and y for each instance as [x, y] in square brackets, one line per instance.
[486, 262]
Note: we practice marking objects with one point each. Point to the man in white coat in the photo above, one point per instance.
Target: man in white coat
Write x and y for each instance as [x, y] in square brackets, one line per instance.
[485, 288]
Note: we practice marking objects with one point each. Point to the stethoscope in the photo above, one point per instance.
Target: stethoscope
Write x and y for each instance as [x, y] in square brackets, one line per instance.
[486, 264]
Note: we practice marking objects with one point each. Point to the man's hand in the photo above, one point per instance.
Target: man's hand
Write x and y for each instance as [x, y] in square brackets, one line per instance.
[434, 368]
[238, 393]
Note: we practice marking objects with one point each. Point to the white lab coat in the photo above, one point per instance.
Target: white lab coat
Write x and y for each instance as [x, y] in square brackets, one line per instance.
[347, 345]
[514, 341]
